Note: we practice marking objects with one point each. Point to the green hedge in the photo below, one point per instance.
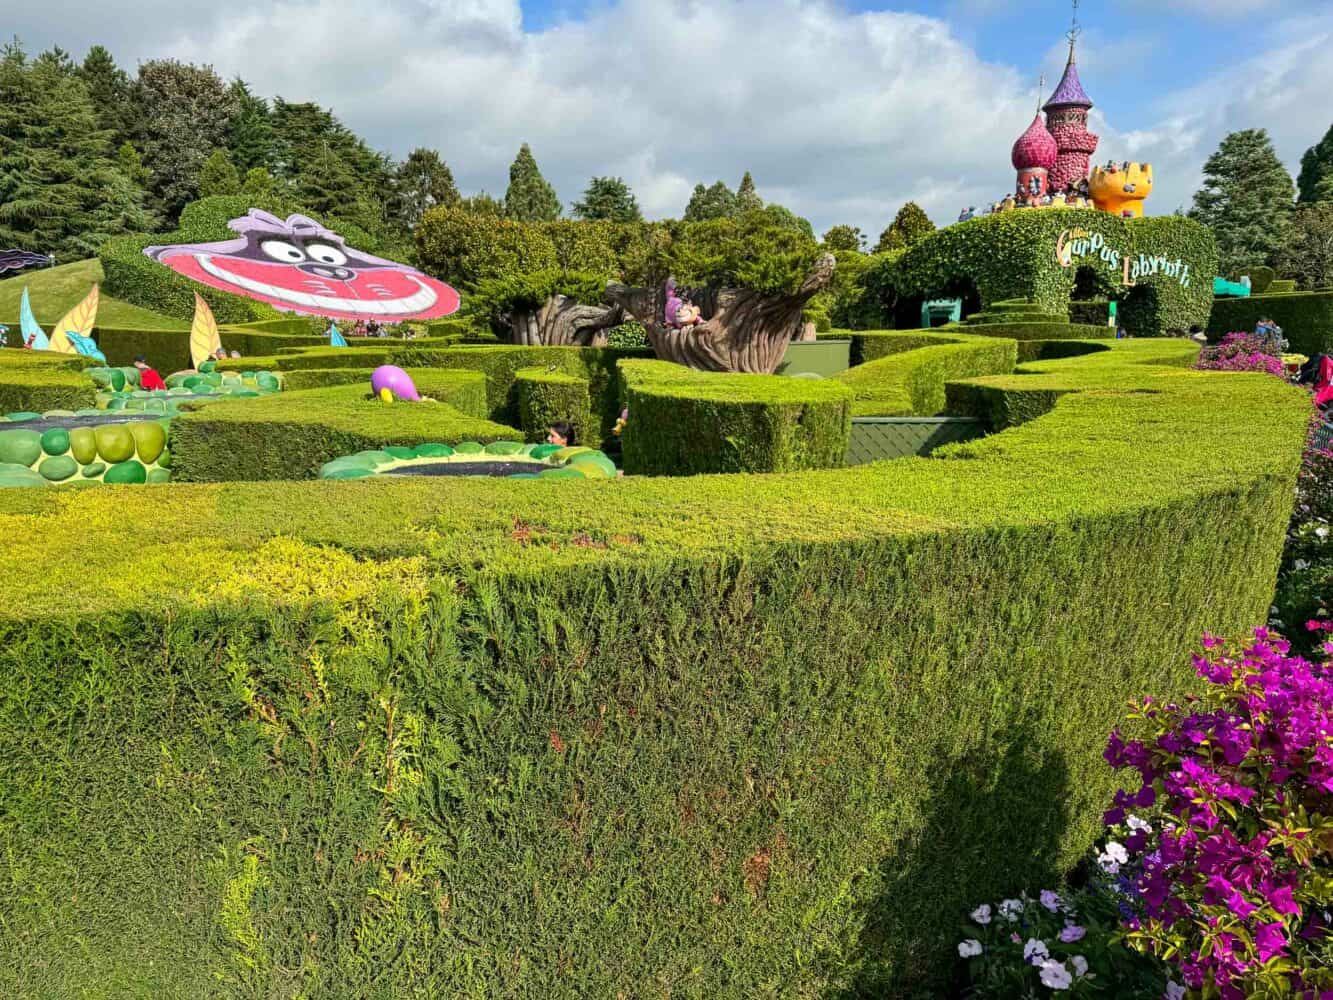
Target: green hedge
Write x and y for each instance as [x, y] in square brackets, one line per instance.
[1282, 285]
[134, 278]
[910, 382]
[683, 422]
[750, 736]
[291, 434]
[37, 381]
[1091, 312]
[545, 397]
[1306, 318]
[1035, 331]
[1011, 256]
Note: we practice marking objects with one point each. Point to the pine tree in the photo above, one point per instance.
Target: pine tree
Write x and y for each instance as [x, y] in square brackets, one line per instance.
[909, 226]
[61, 189]
[1307, 252]
[328, 187]
[1246, 199]
[109, 88]
[218, 176]
[250, 139]
[716, 202]
[1316, 169]
[424, 181]
[529, 198]
[747, 200]
[183, 112]
[130, 163]
[608, 198]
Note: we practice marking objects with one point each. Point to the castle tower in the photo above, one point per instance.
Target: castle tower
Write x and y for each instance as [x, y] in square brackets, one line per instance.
[1033, 156]
[1067, 120]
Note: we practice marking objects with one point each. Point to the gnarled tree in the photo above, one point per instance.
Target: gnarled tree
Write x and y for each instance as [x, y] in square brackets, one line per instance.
[743, 329]
[551, 308]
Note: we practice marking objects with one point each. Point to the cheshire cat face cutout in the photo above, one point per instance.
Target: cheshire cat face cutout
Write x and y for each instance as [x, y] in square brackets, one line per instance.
[299, 266]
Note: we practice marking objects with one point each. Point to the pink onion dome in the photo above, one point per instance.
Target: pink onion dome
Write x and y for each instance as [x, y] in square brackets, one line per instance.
[1035, 148]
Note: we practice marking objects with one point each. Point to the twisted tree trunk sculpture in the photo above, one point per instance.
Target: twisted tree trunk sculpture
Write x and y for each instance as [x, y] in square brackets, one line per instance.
[743, 330]
[564, 322]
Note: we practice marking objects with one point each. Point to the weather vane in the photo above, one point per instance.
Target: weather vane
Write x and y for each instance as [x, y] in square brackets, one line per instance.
[1041, 91]
[1074, 29]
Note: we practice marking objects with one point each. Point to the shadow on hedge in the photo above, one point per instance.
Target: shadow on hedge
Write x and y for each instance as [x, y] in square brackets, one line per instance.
[1028, 781]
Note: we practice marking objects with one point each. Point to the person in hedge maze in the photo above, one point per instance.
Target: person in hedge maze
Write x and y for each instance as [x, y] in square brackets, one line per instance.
[148, 377]
[561, 432]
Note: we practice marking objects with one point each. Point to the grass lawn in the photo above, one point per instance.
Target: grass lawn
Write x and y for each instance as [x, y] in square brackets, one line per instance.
[52, 291]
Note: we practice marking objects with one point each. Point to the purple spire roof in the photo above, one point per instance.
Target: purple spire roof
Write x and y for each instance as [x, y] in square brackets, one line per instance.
[1069, 94]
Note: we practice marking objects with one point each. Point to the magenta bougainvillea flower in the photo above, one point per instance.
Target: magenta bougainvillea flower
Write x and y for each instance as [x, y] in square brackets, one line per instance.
[1241, 352]
[1230, 865]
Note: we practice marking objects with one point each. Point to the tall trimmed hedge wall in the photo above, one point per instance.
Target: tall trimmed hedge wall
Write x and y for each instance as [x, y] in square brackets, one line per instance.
[684, 422]
[909, 378]
[546, 397]
[37, 381]
[1011, 255]
[289, 435]
[1306, 318]
[133, 277]
[749, 736]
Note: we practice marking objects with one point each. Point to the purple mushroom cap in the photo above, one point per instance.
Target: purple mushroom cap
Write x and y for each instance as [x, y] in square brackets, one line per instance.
[396, 380]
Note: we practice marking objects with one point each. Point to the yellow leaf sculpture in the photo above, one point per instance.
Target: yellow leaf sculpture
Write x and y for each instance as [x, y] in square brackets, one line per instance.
[79, 320]
[205, 340]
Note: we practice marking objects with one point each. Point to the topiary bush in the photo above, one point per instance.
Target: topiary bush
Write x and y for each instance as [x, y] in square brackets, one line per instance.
[37, 381]
[385, 738]
[683, 422]
[1306, 318]
[291, 434]
[546, 397]
[909, 381]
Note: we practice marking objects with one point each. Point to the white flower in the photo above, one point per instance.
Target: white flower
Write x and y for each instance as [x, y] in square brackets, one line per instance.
[1010, 909]
[1174, 991]
[1054, 975]
[1035, 951]
[981, 915]
[1301, 564]
[970, 948]
[1050, 900]
[1321, 531]
[1136, 824]
[1080, 965]
[1113, 857]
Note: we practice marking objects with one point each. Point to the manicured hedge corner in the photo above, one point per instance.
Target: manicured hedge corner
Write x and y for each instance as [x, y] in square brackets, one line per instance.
[37, 381]
[545, 397]
[291, 434]
[683, 422]
[910, 382]
[1306, 318]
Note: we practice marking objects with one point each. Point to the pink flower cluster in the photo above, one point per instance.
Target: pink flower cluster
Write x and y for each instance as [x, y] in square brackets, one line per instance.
[1233, 877]
[1241, 352]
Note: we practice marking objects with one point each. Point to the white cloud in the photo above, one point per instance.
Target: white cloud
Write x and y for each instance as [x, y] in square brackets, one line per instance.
[839, 115]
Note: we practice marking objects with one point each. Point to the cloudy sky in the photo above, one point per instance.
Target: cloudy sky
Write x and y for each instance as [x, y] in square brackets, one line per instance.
[842, 110]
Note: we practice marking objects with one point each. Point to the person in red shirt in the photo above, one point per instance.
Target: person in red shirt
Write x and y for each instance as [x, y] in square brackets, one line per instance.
[148, 377]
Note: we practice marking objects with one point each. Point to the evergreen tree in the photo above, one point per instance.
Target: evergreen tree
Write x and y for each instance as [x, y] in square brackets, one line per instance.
[250, 139]
[109, 88]
[218, 176]
[61, 190]
[1316, 168]
[306, 133]
[529, 198]
[716, 202]
[482, 203]
[747, 200]
[183, 112]
[608, 198]
[1246, 199]
[258, 182]
[909, 226]
[1307, 252]
[130, 163]
[845, 238]
[424, 181]
[328, 187]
